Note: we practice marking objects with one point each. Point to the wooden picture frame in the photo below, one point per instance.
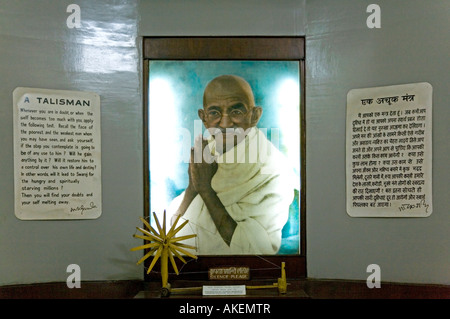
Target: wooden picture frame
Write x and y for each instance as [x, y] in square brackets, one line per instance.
[230, 49]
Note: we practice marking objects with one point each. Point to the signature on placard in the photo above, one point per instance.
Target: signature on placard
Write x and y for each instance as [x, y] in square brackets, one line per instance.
[421, 204]
[82, 208]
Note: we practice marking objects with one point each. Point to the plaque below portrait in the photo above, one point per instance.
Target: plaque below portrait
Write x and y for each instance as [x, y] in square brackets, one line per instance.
[229, 273]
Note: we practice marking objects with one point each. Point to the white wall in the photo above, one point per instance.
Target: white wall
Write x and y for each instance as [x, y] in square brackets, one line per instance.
[38, 50]
[342, 53]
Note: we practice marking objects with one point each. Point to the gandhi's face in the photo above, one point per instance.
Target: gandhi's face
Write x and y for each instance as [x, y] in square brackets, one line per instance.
[228, 105]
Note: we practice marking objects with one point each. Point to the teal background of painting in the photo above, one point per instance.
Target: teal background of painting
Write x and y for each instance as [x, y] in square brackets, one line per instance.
[185, 82]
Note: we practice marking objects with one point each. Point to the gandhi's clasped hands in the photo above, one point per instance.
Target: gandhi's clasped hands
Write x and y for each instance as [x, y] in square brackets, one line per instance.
[202, 166]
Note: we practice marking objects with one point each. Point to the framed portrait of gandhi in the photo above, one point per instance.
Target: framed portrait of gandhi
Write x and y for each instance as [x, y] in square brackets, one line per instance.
[224, 148]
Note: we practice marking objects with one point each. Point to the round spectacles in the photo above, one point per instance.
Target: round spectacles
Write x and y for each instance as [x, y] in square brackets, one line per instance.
[236, 115]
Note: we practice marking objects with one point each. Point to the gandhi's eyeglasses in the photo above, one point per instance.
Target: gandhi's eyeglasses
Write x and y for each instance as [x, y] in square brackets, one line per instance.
[234, 114]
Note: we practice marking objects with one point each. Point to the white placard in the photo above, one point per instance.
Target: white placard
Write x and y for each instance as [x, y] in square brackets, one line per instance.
[388, 151]
[228, 290]
[57, 154]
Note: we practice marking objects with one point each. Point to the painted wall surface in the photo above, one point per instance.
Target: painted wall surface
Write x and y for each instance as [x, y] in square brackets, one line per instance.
[37, 49]
[411, 46]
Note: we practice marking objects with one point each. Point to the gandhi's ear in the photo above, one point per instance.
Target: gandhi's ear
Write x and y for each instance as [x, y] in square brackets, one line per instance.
[256, 115]
[202, 115]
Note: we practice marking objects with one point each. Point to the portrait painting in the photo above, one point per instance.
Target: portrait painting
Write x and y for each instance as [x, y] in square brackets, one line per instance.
[224, 153]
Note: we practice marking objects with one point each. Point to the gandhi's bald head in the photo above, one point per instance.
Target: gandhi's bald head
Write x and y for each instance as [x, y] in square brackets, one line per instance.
[225, 86]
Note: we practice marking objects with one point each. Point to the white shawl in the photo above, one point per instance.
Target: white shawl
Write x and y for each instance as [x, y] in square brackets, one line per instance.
[256, 189]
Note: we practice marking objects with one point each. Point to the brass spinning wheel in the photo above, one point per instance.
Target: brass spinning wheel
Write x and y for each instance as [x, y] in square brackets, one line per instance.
[164, 245]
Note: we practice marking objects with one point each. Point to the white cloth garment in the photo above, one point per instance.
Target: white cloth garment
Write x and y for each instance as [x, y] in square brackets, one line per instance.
[254, 183]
